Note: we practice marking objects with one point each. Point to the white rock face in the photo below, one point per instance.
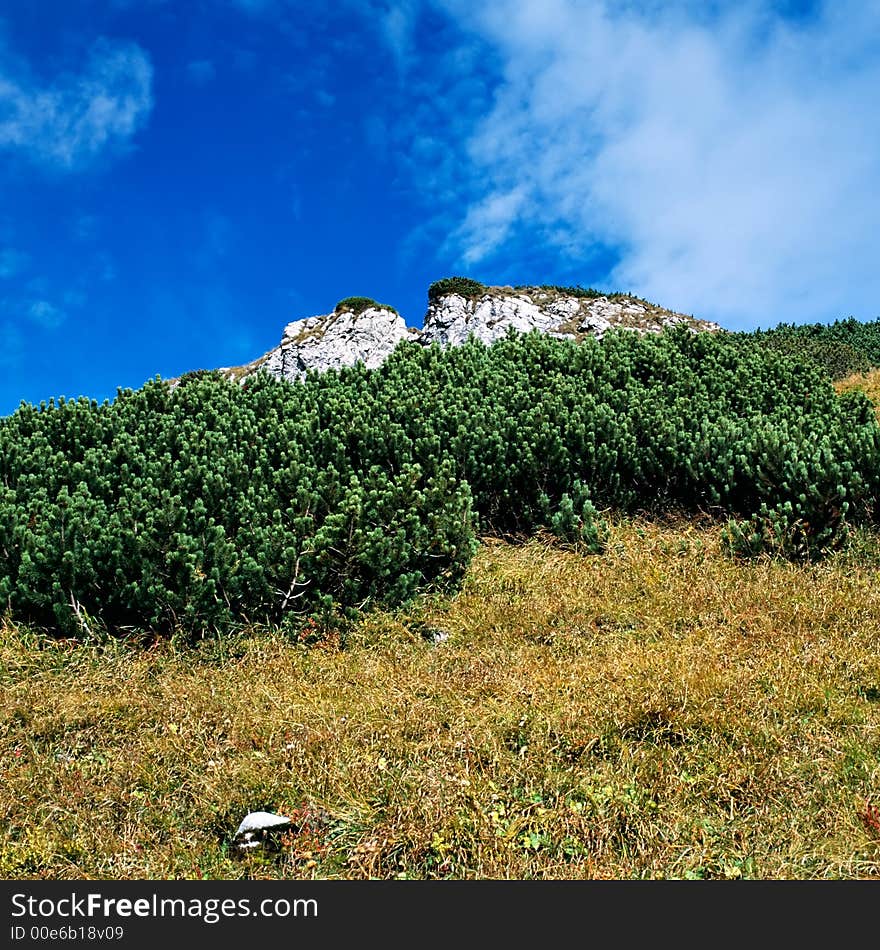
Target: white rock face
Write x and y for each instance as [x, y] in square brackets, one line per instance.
[601, 314]
[452, 319]
[336, 340]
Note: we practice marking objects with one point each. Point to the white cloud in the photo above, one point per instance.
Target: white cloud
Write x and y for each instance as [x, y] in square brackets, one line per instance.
[72, 120]
[488, 224]
[732, 159]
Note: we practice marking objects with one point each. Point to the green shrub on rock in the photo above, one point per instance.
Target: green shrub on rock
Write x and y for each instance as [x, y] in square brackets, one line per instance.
[357, 305]
[463, 286]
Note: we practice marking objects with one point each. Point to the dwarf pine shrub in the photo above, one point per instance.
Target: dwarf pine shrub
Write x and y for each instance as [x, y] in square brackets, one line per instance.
[839, 349]
[210, 504]
[463, 286]
[357, 305]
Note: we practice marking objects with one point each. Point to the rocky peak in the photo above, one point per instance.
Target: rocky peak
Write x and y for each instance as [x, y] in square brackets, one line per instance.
[359, 330]
[452, 318]
[331, 341]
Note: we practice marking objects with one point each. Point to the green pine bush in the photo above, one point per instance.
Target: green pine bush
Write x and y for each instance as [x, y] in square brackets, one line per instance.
[357, 305]
[838, 349]
[463, 286]
[196, 507]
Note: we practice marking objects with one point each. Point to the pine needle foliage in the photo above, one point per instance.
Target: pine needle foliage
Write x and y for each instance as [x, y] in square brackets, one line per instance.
[200, 506]
[839, 349]
[463, 286]
[357, 305]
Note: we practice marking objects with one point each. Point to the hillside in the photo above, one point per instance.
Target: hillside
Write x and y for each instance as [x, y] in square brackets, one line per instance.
[198, 507]
[526, 607]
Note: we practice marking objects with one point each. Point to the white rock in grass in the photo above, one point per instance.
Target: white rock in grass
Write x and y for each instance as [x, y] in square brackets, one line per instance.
[255, 826]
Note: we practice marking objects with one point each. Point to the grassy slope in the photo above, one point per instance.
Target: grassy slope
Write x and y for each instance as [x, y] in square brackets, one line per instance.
[660, 711]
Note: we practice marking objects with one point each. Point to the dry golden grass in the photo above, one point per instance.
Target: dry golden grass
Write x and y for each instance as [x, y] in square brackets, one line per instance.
[869, 383]
[657, 712]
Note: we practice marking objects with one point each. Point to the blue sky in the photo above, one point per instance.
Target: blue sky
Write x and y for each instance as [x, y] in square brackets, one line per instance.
[178, 180]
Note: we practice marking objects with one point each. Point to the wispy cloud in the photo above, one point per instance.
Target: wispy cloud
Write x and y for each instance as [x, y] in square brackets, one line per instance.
[325, 98]
[397, 23]
[488, 223]
[46, 315]
[39, 307]
[77, 116]
[729, 156]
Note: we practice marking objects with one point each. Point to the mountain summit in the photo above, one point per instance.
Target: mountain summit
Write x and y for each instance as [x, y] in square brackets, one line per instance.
[361, 330]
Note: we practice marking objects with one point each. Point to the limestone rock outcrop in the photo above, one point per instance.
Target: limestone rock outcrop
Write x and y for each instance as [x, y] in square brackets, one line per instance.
[451, 319]
[369, 335]
[331, 341]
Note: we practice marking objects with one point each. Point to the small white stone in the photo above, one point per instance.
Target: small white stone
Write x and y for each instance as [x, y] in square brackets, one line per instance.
[261, 821]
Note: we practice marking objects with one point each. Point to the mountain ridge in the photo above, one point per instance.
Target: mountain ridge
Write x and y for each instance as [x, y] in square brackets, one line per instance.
[360, 330]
